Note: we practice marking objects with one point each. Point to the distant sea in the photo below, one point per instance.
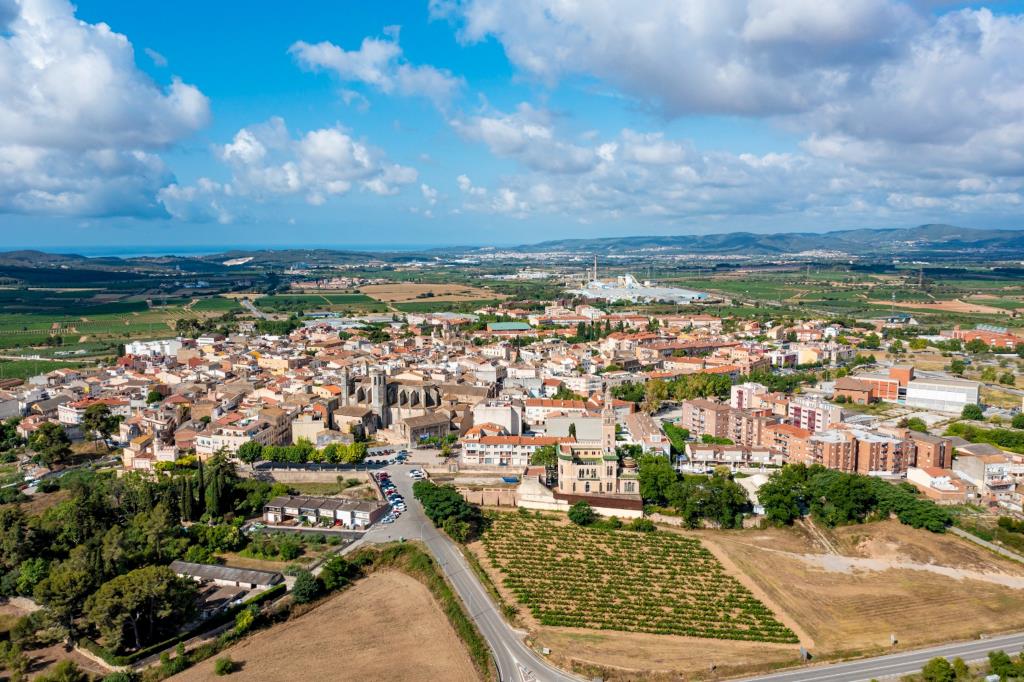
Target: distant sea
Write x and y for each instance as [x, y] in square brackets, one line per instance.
[98, 251]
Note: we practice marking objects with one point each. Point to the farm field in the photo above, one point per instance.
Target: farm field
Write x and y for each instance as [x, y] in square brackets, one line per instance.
[876, 580]
[414, 291]
[661, 583]
[386, 627]
[967, 296]
[22, 369]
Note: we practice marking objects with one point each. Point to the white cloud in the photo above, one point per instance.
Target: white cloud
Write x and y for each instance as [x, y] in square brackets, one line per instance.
[267, 161]
[79, 123]
[528, 136]
[429, 194]
[380, 63]
[158, 59]
[467, 187]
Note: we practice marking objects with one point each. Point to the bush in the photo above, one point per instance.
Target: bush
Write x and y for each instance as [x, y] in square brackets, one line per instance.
[1018, 421]
[224, 666]
[938, 670]
[642, 525]
[972, 412]
[307, 587]
[582, 514]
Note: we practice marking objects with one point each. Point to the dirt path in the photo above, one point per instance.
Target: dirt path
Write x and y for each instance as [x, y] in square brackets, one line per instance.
[836, 563]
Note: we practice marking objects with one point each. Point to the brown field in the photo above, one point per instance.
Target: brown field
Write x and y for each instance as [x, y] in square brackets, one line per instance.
[386, 627]
[954, 306]
[409, 291]
[880, 579]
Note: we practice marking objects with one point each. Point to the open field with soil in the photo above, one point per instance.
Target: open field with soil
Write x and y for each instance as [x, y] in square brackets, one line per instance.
[851, 588]
[386, 627]
[418, 291]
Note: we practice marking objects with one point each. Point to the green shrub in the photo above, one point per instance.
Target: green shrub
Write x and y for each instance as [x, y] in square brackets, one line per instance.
[224, 666]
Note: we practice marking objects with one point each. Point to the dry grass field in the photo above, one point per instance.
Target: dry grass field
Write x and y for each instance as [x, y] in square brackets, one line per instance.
[386, 627]
[401, 292]
[953, 306]
[876, 580]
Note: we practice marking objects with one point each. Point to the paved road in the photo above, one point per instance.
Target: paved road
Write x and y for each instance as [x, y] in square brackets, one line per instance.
[1009, 554]
[251, 307]
[516, 662]
[899, 664]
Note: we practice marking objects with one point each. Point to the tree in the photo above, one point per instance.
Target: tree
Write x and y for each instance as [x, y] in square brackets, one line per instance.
[938, 670]
[918, 344]
[250, 452]
[957, 366]
[976, 346]
[154, 396]
[871, 341]
[656, 476]
[972, 411]
[306, 588]
[547, 457]
[141, 607]
[338, 572]
[582, 514]
[98, 422]
[1007, 379]
[896, 347]
[50, 443]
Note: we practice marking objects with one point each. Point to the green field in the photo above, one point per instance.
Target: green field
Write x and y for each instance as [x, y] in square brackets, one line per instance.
[852, 292]
[23, 369]
[659, 583]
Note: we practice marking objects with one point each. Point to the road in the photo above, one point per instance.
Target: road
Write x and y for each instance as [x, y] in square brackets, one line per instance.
[516, 662]
[895, 665]
[251, 307]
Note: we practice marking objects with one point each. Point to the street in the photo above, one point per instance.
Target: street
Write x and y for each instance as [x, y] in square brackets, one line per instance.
[894, 665]
[515, 661]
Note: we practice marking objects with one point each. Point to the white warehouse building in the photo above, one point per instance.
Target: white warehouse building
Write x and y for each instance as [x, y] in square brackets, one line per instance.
[942, 395]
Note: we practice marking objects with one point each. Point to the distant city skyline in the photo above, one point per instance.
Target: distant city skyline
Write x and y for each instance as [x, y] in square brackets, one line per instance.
[470, 122]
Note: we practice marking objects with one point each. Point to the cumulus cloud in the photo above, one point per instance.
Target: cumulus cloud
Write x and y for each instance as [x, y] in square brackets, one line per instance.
[528, 136]
[897, 103]
[268, 161]
[380, 64]
[649, 175]
[79, 122]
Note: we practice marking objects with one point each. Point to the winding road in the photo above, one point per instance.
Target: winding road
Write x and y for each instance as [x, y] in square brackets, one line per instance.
[516, 662]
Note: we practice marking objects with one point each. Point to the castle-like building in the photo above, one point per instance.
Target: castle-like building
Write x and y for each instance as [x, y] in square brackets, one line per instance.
[390, 401]
[592, 468]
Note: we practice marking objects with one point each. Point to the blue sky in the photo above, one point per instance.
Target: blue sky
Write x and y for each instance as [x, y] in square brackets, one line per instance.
[502, 121]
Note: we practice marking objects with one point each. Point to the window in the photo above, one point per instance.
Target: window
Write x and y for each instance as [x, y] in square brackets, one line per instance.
[586, 488]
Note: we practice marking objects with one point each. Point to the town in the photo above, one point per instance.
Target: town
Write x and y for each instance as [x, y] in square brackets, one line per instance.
[274, 452]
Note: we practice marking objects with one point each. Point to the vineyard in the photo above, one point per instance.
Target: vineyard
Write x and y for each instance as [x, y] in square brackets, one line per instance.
[658, 583]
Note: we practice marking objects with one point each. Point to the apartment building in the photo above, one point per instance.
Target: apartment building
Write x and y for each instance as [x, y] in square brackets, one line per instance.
[503, 451]
[813, 414]
[747, 427]
[705, 417]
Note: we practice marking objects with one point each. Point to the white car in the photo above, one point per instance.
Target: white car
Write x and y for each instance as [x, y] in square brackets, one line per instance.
[415, 473]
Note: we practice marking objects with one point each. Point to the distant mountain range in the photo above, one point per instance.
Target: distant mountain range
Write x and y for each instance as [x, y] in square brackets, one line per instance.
[941, 242]
[932, 240]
